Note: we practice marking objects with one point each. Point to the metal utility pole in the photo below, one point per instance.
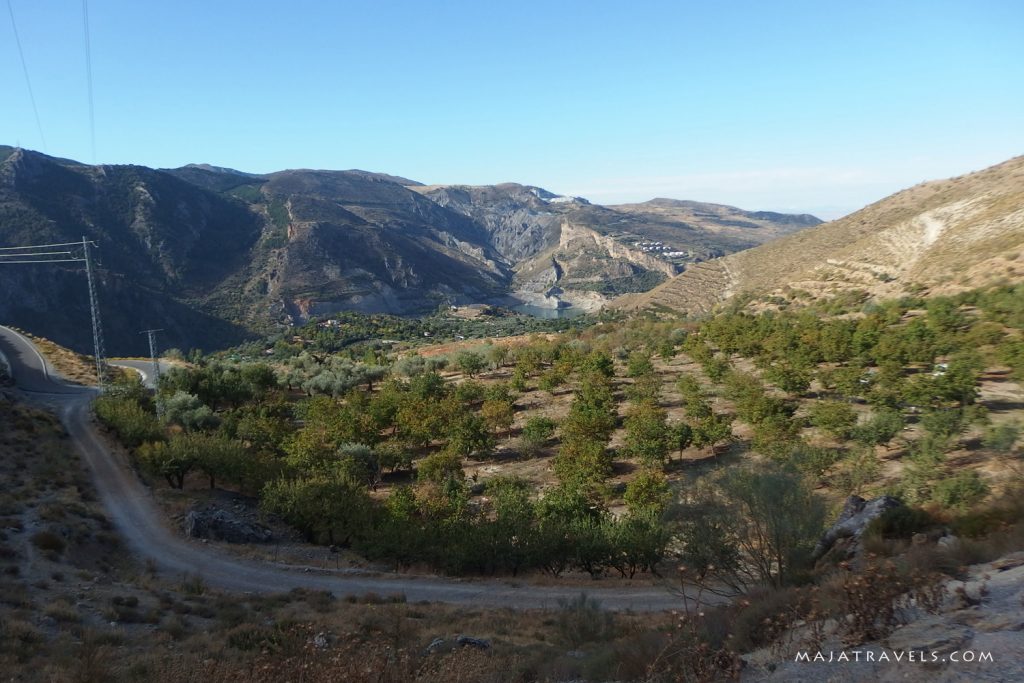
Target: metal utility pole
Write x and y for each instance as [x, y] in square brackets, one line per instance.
[152, 353]
[48, 253]
[151, 334]
[97, 327]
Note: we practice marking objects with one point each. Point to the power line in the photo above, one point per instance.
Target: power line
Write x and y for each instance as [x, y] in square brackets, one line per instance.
[88, 75]
[47, 246]
[28, 81]
[66, 260]
[36, 253]
[87, 246]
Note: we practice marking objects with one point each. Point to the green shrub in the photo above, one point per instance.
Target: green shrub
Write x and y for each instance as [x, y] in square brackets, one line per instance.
[1001, 438]
[900, 522]
[581, 620]
[880, 429]
[536, 432]
[248, 637]
[133, 424]
[49, 541]
[834, 417]
[960, 491]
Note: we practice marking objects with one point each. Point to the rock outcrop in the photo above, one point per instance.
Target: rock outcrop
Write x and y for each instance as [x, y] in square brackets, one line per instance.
[978, 637]
[221, 525]
[853, 520]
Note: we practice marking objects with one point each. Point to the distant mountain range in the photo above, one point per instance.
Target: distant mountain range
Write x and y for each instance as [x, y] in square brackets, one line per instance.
[214, 255]
[938, 237]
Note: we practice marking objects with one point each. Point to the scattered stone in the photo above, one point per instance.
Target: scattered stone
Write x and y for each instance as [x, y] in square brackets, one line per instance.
[221, 525]
[437, 645]
[1009, 562]
[479, 643]
[440, 645]
[321, 641]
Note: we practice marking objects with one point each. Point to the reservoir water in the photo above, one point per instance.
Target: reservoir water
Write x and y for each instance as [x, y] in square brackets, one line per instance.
[548, 313]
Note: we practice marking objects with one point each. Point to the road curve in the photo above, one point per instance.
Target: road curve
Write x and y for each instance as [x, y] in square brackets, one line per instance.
[143, 367]
[135, 514]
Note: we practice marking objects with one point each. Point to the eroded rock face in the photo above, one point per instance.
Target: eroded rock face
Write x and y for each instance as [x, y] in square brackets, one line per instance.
[853, 520]
[221, 525]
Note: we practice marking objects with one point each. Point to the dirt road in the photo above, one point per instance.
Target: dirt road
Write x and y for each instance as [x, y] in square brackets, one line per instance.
[134, 512]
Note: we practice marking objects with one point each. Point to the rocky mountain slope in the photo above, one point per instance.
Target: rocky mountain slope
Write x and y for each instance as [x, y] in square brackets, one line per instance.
[567, 250]
[212, 254]
[165, 247]
[939, 236]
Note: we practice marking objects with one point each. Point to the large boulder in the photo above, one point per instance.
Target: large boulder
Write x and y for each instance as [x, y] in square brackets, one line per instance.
[221, 525]
[853, 520]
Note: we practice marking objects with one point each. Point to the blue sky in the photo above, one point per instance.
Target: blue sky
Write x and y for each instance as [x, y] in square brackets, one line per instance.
[794, 106]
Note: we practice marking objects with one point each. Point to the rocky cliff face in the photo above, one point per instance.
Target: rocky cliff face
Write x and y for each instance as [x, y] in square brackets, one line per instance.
[566, 250]
[574, 237]
[364, 243]
[521, 221]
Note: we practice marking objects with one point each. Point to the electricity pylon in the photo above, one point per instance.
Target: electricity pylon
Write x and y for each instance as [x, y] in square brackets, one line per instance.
[48, 253]
[156, 368]
[97, 328]
[152, 352]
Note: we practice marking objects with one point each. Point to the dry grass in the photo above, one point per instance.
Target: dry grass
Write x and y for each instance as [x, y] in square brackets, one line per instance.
[310, 636]
[969, 225]
[75, 367]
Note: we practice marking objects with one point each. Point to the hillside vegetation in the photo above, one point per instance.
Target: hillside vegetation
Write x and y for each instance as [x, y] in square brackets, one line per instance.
[710, 456]
[76, 608]
[488, 459]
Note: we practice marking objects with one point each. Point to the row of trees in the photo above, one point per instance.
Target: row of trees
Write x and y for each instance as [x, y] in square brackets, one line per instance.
[885, 358]
[436, 524]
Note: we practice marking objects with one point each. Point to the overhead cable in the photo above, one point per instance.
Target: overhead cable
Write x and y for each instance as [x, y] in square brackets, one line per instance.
[28, 81]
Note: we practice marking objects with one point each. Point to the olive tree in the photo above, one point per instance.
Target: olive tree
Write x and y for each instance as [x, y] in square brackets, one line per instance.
[749, 526]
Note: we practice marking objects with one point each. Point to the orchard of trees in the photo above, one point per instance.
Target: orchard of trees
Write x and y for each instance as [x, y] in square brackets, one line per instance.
[371, 451]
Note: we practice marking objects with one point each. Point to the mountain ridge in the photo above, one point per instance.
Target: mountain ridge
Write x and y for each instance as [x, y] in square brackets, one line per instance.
[214, 255]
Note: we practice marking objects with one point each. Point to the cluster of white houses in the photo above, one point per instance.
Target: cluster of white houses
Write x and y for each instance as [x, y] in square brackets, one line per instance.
[660, 248]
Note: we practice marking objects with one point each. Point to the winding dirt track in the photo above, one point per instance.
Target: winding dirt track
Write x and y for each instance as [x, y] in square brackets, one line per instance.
[132, 509]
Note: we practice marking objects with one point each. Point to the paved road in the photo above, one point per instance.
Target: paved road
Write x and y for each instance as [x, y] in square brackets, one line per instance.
[31, 372]
[143, 367]
[134, 512]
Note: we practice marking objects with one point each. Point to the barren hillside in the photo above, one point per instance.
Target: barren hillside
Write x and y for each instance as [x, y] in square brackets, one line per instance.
[944, 235]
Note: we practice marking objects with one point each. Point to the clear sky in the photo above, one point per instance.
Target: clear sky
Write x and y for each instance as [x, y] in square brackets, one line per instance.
[816, 106]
